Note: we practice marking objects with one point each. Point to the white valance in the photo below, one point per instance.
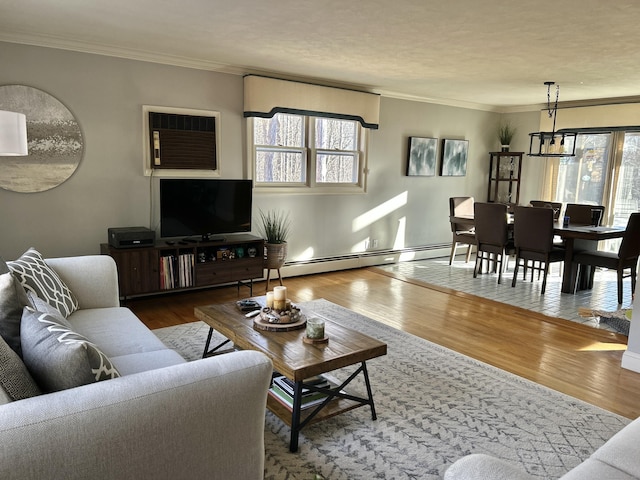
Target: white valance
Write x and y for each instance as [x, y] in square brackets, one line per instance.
[264, 97]
[598, 116]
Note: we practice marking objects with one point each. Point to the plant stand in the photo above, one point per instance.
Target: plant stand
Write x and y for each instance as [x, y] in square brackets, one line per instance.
[275, 255]
[269, 274]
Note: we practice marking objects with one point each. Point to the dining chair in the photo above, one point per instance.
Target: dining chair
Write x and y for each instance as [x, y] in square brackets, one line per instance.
[625, 258]
[556, 206]
[579, 213]
[533, 239]
[492, 239]
[597, 214]
[463, 232]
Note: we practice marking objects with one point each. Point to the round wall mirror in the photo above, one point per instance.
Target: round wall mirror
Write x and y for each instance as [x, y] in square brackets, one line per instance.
[54, 137]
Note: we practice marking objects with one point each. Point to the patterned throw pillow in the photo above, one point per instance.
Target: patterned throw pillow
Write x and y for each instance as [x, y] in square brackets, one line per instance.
[57, 357]
[35, 275]
[42, 306]
[15, 380]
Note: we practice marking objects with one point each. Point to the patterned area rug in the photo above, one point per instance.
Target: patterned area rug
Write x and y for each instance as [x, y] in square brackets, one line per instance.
[434, 406]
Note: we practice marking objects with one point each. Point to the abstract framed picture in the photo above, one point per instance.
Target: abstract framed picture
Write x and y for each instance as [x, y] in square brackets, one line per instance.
[422, 156]
[454, 158]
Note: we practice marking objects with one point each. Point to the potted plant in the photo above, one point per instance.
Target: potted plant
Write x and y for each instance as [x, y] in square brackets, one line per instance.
[506, 131]
[275, 227]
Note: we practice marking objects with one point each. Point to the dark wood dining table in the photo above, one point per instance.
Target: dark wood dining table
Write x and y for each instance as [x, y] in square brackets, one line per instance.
[576, 238]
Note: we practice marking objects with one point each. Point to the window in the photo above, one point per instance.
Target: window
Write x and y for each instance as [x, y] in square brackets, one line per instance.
[308, 153]
[605, 171]
[581, 179]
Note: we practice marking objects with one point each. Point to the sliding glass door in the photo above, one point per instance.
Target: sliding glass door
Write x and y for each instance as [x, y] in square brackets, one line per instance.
[582, 179]
[627, 179]
[605, 171]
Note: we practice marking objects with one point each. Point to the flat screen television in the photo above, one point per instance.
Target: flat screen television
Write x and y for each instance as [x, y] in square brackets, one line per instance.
[204, 208]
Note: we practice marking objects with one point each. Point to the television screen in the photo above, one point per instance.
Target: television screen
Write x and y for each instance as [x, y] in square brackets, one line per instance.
[204, 207]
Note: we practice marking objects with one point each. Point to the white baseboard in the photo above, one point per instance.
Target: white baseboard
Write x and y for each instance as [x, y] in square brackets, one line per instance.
[366, 259]
[631, 361]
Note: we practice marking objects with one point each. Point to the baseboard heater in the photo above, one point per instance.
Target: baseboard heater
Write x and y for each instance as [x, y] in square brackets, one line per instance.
[373, 253]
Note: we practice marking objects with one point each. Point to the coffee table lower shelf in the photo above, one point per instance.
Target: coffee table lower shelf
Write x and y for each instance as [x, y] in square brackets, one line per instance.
[333, 408]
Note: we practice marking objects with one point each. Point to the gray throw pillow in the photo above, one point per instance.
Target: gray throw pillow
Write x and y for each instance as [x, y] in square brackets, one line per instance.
[57, 357]
[15, 380]
[13, 299]
[3, 266]
[35, 275]
[42, 306]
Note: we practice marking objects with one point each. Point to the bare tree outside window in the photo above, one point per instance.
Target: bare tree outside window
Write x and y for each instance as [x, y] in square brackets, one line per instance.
[284, 154]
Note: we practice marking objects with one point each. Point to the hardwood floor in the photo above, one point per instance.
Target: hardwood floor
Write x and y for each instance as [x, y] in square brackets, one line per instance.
[574, 359]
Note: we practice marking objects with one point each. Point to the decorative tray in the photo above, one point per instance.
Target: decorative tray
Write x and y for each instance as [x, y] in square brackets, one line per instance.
[273, 320]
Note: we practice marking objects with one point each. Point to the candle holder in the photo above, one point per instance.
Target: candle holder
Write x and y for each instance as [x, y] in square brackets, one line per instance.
[315, 331]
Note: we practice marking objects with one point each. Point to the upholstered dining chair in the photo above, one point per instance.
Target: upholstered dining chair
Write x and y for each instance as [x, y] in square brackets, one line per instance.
[492, 239]
[626, 258]
[579, 213]
[597, 214]
[463, 231]
[556, 206]
[533, 239]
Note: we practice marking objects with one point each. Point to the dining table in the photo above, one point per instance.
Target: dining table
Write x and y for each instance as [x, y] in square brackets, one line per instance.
[576, 238]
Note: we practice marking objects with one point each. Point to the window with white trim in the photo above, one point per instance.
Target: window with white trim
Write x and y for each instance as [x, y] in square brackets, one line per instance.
[305, 153]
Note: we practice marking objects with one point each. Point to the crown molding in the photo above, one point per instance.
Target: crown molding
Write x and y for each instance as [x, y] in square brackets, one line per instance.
[48, 41]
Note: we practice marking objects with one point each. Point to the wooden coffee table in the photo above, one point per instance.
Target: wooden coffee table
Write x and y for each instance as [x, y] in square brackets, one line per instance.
[298, 361]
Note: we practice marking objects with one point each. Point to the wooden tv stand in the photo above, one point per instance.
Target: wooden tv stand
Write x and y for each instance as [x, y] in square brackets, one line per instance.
[185, 265]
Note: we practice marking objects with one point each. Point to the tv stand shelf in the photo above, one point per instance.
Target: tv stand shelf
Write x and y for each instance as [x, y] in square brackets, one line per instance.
[181, 265]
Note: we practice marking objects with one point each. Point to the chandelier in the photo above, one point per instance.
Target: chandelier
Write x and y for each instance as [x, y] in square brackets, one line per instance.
[552, 144]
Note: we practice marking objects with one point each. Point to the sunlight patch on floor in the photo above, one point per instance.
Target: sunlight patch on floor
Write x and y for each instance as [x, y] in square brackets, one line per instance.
[603, 347]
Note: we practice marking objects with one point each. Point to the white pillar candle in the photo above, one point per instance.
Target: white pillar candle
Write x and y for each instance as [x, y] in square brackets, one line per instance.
[280, 293]
[279, 305]
[269, 299]
[315, 328]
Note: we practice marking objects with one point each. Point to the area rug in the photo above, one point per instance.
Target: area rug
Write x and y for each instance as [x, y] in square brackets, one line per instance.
[434, 406]
[619, 320]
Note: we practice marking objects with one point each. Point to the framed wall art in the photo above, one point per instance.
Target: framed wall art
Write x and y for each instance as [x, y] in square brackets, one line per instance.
[454, 158]
[422, 156]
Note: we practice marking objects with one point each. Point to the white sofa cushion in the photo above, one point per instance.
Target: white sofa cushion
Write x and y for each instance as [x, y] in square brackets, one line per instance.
[141, 362]
[116, 330]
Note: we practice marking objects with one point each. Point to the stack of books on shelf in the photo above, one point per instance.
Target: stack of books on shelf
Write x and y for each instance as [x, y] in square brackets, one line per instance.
[176, 271]
[282, 390]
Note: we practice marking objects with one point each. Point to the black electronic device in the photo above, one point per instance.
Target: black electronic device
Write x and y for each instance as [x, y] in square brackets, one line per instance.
[204, 208]
[130, 237]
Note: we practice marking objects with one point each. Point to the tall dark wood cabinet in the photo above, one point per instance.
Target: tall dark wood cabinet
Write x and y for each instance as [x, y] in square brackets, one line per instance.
[505, 169]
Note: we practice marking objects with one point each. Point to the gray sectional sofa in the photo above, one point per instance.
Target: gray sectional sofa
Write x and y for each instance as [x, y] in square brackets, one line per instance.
[160, 417]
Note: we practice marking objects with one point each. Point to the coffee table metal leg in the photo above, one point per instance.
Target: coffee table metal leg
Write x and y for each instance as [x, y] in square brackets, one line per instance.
[295, 417]
[206, 353]
[369, 392]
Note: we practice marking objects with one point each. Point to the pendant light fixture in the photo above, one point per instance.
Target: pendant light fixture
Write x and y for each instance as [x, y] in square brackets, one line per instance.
[552, 144]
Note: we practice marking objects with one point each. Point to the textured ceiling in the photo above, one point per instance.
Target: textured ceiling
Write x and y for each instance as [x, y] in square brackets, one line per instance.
[476, 53]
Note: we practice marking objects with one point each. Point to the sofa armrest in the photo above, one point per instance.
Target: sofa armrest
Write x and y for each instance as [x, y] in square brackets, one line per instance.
[93, 279]
[479, 466]
[202, 419]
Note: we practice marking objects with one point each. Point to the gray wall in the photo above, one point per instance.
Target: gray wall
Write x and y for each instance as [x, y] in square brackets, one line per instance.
[109, 190]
